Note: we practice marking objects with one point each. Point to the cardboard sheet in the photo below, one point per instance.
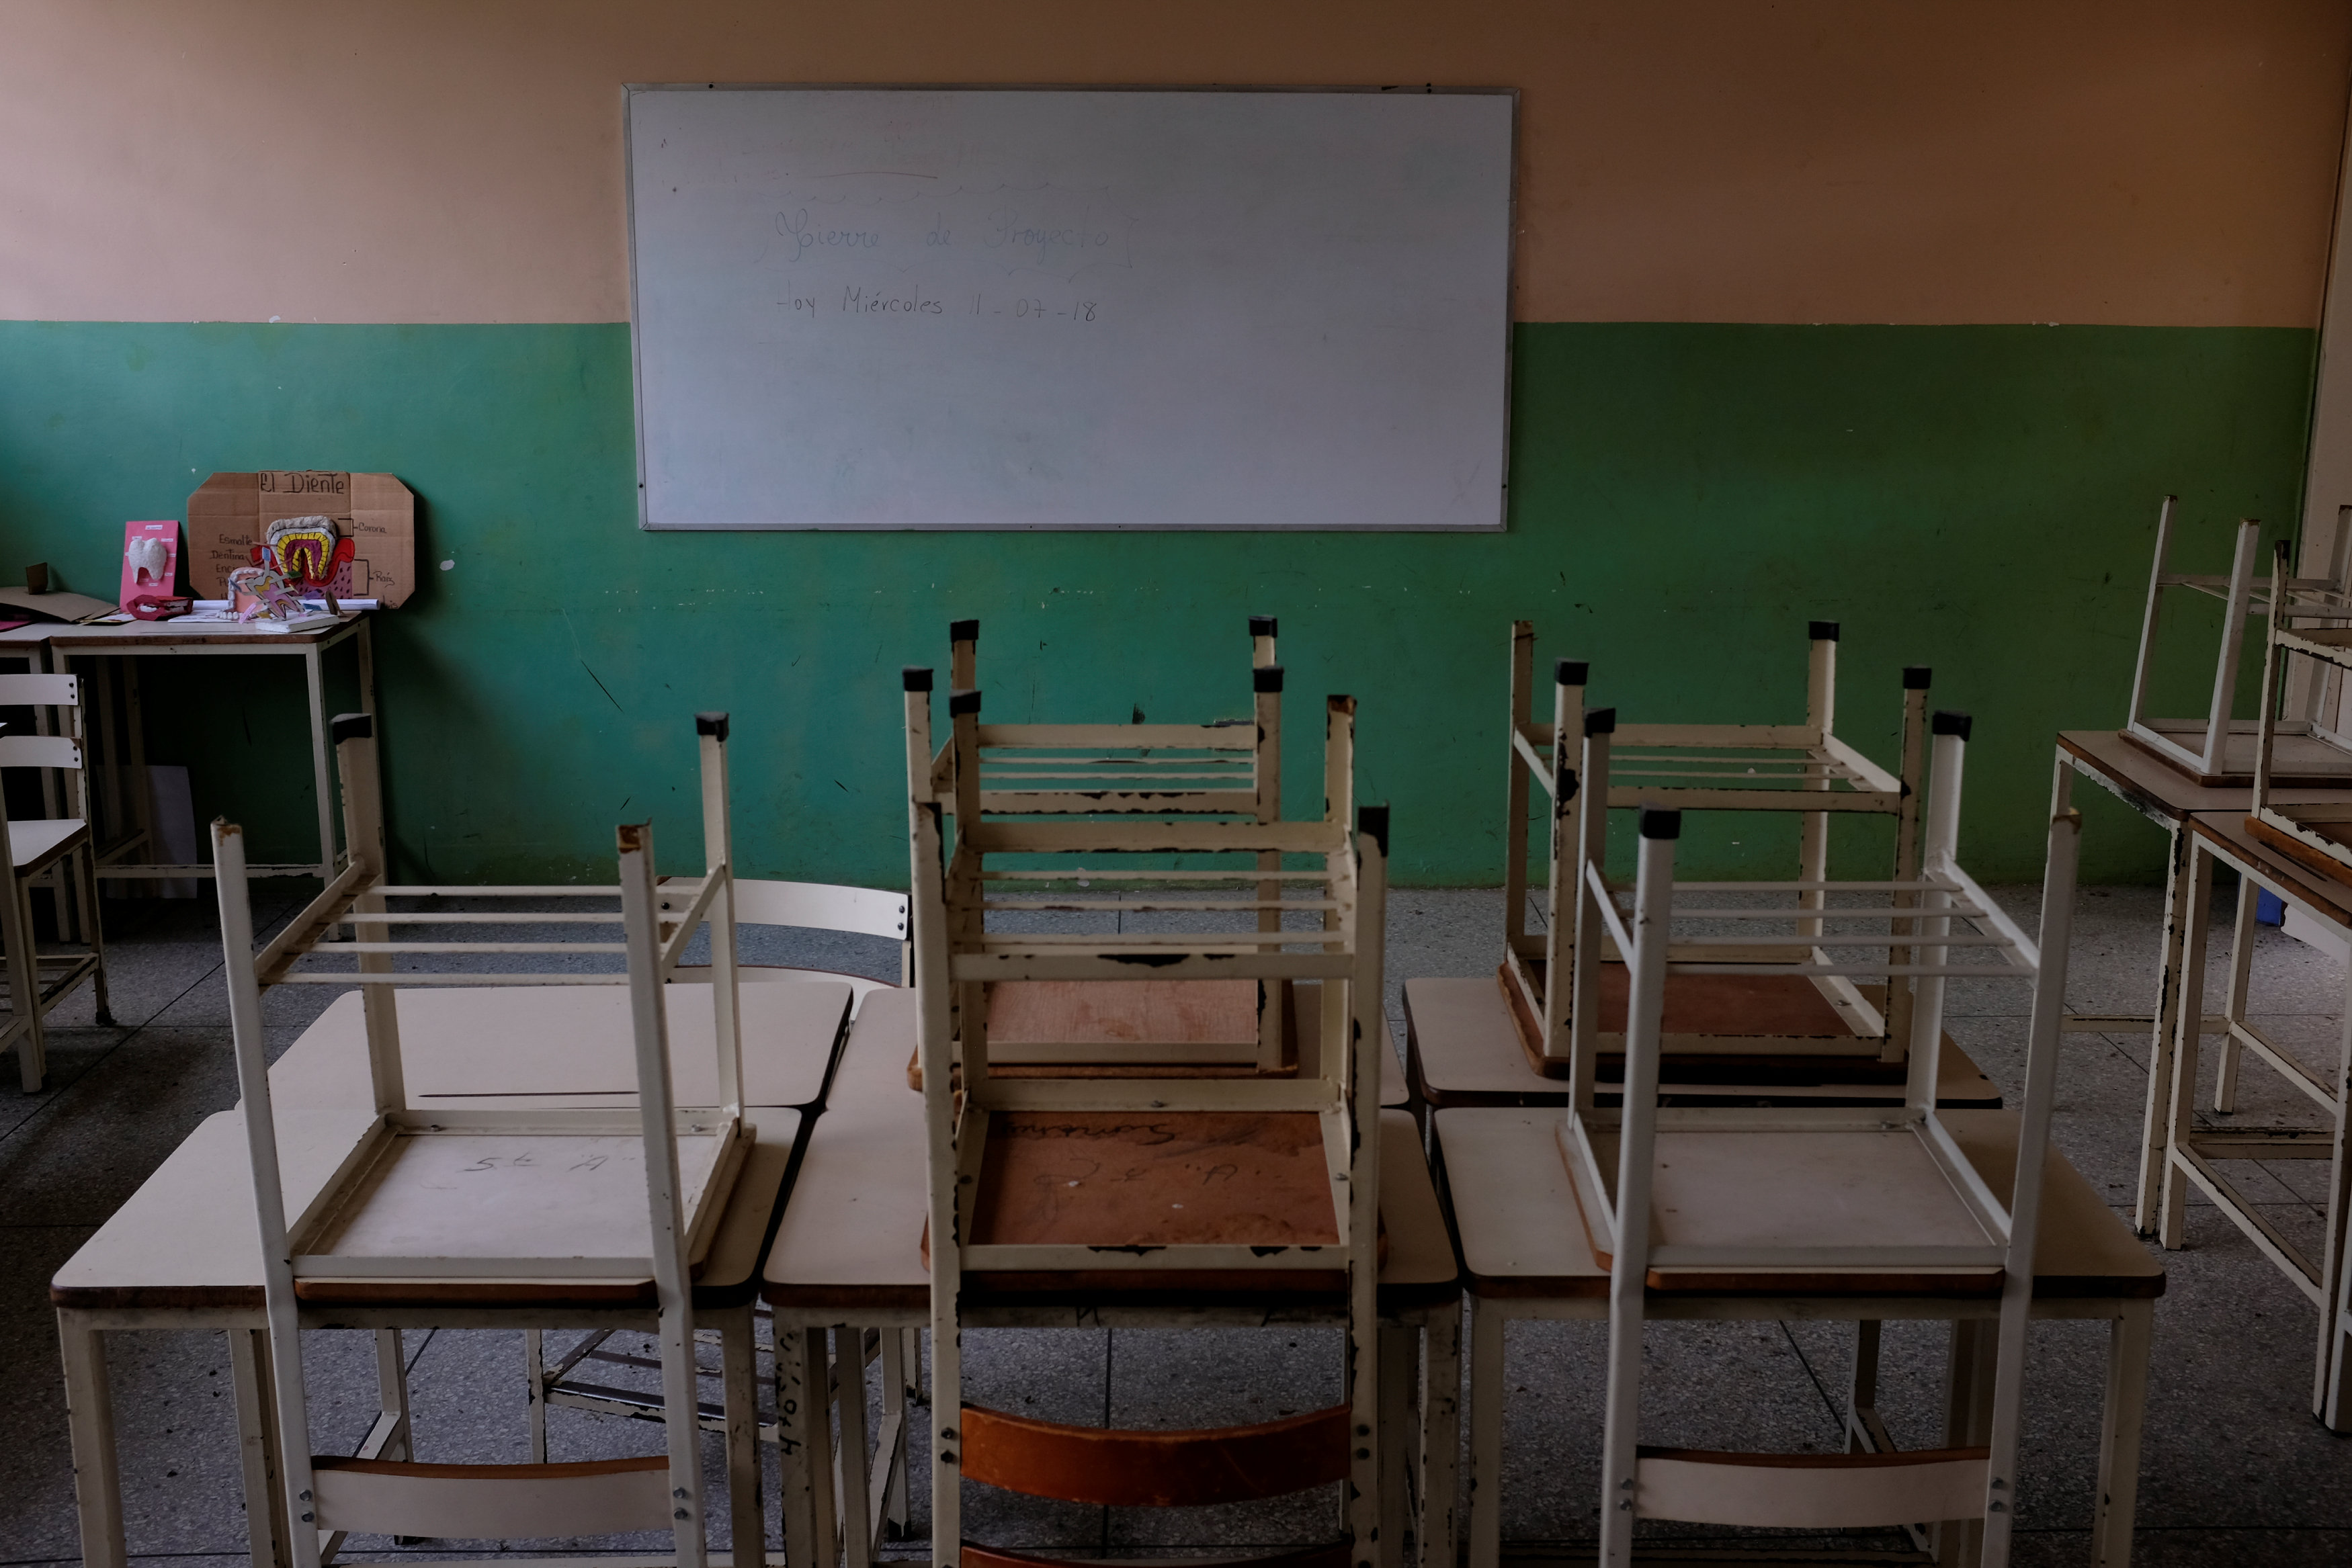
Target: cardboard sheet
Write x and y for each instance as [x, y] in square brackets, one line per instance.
[229, 514]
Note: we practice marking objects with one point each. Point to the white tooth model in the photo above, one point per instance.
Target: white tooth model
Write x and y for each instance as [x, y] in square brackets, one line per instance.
[149, 562]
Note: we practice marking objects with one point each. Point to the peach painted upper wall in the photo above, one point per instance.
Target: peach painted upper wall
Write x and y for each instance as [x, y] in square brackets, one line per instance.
[2153, 162]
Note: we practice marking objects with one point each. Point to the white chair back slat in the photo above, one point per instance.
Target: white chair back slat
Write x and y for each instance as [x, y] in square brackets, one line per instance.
[40, 691]
[39, 751]
[823, 906]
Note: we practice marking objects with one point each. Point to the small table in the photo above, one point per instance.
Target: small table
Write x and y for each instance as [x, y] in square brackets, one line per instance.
[182, 1254]
[64, 643]
[1526, 1253]
[847, 1255]
[2223, 838]
[2167, 797]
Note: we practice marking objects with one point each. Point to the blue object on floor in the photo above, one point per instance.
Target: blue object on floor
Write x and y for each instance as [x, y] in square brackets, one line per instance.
[2270, 909]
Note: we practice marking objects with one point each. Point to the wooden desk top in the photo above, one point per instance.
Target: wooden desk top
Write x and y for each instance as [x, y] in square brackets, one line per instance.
[2155, 789]
[851, 1239]
[2320, 896]
[468, 1047]
[139, 636]
[1462, 1050]
[186, 1240]
[1522, 1235]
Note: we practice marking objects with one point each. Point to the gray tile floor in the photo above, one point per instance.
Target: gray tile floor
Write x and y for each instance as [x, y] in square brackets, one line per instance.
[2235, 1469]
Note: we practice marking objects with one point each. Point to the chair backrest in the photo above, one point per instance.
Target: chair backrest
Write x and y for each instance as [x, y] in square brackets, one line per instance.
[1958, 1224]
[821, 906]
[62, 751]
[817, 907]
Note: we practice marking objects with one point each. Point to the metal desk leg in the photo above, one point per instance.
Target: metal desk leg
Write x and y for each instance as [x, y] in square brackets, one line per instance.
[24, 983]
[1967, 1424]
[1441, 1437]
[314, 676]
[2233, 1006]
[2336, 1408]
[902, 1362]
[257, 1438]
[363, 644]
[2155, 1125]
[2119, 1429]
[856, 1489]
[803, 1440]
[534, 1383]
[1397, 1358]
[89, 1423]
[740, 1395]
[1486, 1435]
[2181, 1082]
[2328, 1400]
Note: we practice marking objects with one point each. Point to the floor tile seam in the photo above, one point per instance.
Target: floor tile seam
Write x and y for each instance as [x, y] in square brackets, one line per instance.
[43, 1110]
[1829, 1405]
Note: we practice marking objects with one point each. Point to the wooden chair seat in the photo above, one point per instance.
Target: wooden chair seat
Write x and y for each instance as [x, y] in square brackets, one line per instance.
[1743, 1024]
[34, 845]
[1794, 1189]
[1128, 1180]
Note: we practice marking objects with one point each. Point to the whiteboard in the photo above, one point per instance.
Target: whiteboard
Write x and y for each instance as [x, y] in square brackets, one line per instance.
[1018, 309]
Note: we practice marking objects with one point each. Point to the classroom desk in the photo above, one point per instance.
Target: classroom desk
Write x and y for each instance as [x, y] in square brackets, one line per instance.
[181, 1254]
[847, 1255]
[63, 644]
[1462, 1050]
[1526, 1256]
[2223, 838]
[2167, 797]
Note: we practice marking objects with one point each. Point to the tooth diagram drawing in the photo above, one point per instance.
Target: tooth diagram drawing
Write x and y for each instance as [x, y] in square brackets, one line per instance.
[307, 550]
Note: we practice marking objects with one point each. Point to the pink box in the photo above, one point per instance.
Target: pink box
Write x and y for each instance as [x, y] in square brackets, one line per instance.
[151, 560]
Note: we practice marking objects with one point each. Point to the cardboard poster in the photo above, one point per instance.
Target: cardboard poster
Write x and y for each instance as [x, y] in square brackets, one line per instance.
[230, 514]
[151, 561]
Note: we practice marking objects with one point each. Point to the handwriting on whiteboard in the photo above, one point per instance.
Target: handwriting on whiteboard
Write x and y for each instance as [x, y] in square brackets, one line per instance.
[901, 301]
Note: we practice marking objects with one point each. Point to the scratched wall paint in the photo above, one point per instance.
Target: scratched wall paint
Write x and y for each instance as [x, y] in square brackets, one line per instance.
[1977, 498]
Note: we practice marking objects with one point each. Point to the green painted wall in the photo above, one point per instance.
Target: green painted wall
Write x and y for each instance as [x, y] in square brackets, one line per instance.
[1684, 497]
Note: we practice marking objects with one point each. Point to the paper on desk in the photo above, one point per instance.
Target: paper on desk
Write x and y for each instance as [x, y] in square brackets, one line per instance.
[56, 605]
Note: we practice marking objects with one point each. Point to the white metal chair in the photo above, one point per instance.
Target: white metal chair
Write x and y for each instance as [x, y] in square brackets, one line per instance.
[1870, 1201]
[562, 1213]
[1805, 770]
[36, 846]
[2218, 750]
[1308, 1214]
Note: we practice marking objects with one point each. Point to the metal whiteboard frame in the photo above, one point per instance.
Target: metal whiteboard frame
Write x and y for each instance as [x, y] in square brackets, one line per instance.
[636, 363]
